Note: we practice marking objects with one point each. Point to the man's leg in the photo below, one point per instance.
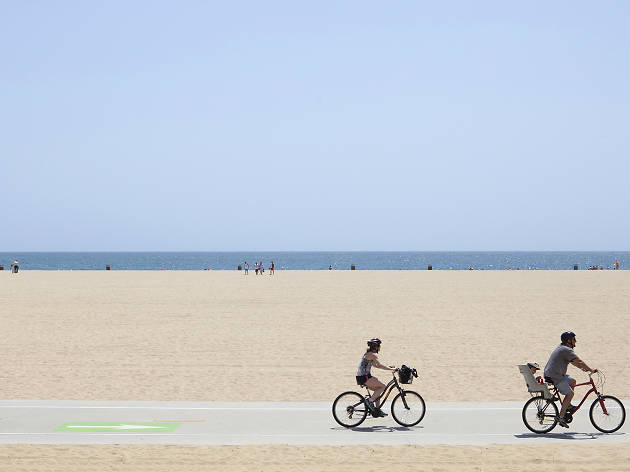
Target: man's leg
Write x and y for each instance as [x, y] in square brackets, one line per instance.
[566, 387]
[565, 403]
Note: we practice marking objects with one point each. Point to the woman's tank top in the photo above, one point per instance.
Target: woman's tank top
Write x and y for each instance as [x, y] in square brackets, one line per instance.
[364, 367]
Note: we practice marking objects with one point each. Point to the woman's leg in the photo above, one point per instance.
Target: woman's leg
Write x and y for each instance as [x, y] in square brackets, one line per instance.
[377, 386]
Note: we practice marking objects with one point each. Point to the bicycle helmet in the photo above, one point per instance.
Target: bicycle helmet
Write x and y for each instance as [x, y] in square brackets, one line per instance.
[564, 337]
[374, 342]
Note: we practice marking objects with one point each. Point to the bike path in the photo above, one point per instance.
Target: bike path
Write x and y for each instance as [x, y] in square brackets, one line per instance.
[220, 423]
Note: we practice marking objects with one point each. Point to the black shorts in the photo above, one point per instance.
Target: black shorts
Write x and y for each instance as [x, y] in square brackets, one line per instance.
[361, 379]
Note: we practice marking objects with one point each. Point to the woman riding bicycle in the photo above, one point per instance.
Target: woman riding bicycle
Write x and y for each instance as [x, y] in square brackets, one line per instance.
[364, 376]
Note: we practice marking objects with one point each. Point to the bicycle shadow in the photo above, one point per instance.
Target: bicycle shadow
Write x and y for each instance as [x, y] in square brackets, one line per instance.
[378, 428]
[568, 436]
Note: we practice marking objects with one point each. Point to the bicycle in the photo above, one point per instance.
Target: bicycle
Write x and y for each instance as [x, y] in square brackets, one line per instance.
[350, 409]
[607, 413]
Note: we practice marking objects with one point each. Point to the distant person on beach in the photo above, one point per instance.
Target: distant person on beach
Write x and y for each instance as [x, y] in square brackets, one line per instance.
[15, 267]
[272, 268]
[246, 267]
[330, 267]
[616, 265]
[556, 371]
[256, 267]
[364, 376]
[261, 267]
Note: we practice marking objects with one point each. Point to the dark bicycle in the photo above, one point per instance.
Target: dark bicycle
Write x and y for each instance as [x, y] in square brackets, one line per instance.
[350, 409]
[540, 413]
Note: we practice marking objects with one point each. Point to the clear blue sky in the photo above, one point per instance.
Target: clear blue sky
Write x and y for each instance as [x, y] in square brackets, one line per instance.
[314, 125]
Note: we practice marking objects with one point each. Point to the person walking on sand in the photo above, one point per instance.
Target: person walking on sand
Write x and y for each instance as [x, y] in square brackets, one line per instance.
[256, 267]
[15, 267]
[246, 267]
[364, 376]
[272, 268]
[556, 371]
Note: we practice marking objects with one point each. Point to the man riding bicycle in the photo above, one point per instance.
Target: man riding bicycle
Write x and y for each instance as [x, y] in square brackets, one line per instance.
[556, 372]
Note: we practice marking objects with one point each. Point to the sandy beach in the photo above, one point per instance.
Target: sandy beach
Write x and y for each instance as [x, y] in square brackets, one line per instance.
[313, 458]
[298, 336]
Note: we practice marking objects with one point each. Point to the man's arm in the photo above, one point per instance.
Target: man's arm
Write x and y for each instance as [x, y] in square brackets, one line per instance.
[580, 364]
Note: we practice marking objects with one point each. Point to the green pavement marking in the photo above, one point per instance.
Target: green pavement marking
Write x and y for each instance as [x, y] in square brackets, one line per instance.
[119, 427]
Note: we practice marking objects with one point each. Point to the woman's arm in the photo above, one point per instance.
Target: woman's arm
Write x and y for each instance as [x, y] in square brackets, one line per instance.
[377, 364]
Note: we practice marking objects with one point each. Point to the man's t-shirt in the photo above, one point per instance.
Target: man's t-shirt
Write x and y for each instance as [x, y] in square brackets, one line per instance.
[556, 367]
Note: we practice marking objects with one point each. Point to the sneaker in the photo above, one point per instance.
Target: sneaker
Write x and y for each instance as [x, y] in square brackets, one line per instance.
[561, 422]
[372, 407]
[571, 409]
[381, 413]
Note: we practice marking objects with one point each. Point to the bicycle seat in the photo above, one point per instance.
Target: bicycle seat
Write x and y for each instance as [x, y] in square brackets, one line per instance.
[548, 380]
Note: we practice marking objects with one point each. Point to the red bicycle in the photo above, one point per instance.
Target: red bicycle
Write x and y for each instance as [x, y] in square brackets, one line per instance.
[607, 413]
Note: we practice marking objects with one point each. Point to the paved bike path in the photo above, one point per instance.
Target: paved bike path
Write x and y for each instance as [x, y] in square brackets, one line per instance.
[78, 422]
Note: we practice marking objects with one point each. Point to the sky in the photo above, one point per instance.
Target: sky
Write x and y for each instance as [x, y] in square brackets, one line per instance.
[345, 125]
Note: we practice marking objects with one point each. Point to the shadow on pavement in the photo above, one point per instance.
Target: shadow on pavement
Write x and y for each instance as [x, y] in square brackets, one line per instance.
[382, 428]
[573, 436]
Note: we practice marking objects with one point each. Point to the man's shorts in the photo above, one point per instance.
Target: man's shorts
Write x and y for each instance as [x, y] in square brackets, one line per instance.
[564, 386]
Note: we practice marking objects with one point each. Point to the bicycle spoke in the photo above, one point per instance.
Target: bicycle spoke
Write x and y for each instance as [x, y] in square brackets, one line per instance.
[607, 414]
[349, 409]
[539, 415]
[408, 409]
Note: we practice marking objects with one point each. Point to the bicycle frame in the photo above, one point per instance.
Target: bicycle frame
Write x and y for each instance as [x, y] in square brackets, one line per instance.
[387, 391]
[586, 395]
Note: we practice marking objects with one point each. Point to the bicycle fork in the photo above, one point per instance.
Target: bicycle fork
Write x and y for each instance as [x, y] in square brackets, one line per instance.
[601, 403]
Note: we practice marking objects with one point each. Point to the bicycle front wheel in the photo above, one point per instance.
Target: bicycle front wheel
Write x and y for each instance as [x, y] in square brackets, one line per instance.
[607, 414]
[349, 409]
[408, 408]
[539, 415]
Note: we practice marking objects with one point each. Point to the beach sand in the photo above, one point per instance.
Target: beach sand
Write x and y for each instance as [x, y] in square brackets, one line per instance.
[561, 458]
[298, 336]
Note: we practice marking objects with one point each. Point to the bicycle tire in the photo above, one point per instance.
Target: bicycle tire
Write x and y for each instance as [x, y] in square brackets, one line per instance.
[348, 405]
[535, 416]
[616, 413]
[408, 404]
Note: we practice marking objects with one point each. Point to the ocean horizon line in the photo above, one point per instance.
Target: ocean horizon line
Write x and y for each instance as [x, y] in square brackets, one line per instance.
[317, 260]
[341, 251]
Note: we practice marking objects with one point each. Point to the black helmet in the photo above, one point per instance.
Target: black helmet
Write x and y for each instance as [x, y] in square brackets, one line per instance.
[374, 342]
[564, 337]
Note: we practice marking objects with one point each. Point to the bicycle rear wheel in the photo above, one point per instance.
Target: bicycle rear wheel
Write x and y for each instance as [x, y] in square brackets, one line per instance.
[607, 414]
[349, 409]
[408, 408]
[539, 415]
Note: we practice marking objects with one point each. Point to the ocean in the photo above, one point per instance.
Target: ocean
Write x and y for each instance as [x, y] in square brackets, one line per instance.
[551, 260]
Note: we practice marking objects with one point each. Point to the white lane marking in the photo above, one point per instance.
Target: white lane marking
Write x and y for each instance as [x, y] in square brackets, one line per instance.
[239, 408]
[118, 426]
[255, 435]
